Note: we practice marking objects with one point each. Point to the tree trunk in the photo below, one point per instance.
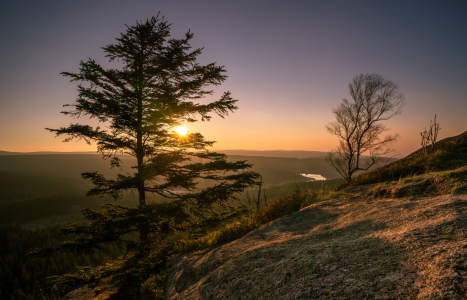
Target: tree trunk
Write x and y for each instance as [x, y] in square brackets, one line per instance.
[259, 194]
[143, 226]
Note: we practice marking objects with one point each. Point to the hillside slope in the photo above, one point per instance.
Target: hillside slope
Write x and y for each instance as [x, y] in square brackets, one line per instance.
[398, 232]
[447, 154]
[336, 249]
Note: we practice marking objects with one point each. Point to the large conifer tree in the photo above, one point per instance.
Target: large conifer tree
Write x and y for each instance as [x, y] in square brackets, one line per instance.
[138, 105]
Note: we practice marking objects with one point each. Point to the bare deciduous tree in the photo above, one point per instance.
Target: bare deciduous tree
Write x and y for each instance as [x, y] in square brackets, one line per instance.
[430, 135]
[358, 123]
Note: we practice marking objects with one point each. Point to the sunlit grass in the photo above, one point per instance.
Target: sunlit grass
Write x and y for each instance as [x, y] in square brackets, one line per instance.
[448, 154]
[288, 204]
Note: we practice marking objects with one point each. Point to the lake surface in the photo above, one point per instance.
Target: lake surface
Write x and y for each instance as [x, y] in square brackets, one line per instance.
[313, 176]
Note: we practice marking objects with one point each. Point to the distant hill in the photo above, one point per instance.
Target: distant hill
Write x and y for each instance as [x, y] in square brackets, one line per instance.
[43, 152]
[9, 153]
[68, 165]
[313, 165]
[24, 186]
[275, 170]
[276, 166]
[276, 153]
[268, 153]
[25, 196]
[37, 185]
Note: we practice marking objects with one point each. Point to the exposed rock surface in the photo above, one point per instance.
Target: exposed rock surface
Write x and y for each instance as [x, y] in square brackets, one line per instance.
[104, 291]
[338, 249]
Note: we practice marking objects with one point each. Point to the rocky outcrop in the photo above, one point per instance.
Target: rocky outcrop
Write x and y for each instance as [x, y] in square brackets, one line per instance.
[105, 290]
[338, 249]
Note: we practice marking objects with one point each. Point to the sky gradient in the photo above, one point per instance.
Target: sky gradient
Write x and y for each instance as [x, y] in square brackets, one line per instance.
[289, 63]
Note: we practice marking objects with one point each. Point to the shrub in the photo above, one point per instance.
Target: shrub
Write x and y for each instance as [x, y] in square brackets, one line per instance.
[292, 202]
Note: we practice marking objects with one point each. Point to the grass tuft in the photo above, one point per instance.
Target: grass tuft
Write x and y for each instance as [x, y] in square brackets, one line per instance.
[292, 202]
[448, 154]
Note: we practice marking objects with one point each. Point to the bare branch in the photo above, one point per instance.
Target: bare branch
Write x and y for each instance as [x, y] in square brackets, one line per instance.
[358, 123]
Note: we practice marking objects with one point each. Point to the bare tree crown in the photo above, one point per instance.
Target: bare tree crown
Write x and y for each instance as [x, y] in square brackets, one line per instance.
[358, 123]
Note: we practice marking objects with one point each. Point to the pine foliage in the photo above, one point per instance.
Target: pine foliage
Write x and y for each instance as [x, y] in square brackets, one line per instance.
[138, 105]
[22, 277]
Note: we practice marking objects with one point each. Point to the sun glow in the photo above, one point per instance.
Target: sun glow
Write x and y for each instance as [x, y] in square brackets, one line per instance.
[181, 130]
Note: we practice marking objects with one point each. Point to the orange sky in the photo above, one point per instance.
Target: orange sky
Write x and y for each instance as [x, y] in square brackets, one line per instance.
[239, 132]
[287, 64]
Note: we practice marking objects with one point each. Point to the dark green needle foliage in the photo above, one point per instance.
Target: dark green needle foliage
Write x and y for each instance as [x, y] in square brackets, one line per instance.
[138, 105]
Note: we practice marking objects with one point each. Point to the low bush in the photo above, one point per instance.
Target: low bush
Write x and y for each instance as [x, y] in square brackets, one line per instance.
[292, 202]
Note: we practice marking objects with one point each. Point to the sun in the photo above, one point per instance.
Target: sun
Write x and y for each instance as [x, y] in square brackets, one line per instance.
[180, 130]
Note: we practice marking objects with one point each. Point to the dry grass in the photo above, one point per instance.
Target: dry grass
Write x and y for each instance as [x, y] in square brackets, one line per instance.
[448, 154]
[292, 202]
[412, 187]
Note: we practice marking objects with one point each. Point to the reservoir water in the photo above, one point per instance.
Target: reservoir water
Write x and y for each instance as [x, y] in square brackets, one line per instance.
[313, 176]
